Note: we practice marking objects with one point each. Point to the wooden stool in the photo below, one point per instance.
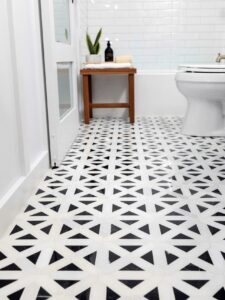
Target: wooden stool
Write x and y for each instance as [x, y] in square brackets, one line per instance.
[87, 91]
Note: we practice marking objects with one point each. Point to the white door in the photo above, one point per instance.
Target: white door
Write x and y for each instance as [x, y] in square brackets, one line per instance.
[60, 39]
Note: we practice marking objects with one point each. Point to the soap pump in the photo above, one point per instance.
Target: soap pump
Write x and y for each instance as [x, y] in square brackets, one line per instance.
[109, 53]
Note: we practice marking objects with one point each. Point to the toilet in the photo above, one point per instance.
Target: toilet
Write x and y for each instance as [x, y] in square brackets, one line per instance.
[204, 88]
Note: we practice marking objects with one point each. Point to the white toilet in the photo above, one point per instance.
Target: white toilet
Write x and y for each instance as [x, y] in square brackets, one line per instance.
[204, 88]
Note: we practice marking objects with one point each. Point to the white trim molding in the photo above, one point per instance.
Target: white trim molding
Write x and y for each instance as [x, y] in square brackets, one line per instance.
[16, 197]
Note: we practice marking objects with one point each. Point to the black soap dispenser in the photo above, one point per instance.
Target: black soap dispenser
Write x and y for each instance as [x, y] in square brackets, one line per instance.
[109, 53]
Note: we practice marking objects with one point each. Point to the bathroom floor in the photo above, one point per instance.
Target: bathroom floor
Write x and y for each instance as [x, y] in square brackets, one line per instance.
[134, 212]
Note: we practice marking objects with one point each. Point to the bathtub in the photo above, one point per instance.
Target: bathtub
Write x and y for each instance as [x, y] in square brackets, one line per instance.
[155, 94]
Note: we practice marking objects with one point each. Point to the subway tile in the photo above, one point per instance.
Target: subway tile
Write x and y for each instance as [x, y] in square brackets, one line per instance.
[188, 31]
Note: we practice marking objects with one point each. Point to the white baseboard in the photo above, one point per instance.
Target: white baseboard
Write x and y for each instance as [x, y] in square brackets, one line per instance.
[14, 200]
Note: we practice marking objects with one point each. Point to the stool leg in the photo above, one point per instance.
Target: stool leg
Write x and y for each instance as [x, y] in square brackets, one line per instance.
[86, 99]
[131, 97]
[90, 94]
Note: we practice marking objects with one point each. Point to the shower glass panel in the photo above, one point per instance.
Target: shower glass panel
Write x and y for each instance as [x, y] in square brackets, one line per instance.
[64, 71]
[62, 21]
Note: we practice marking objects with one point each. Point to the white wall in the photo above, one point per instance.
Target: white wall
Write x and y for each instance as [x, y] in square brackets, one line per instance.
[160, 34]
[24, 151]
[10, 153]
[82, 24]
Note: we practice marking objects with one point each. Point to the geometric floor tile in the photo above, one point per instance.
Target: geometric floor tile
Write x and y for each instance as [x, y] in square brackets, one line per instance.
[133, 212]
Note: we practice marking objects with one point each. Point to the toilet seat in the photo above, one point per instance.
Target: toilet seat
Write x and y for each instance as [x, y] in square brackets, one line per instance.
[204, 68]
[201, 73]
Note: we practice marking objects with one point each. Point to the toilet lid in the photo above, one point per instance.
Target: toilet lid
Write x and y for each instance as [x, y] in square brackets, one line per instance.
[203, 68]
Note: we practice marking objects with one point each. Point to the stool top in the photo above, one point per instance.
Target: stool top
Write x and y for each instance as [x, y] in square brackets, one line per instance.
[119, 71]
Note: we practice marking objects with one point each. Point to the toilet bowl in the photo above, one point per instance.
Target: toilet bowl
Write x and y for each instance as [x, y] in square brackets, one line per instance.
[204, 88]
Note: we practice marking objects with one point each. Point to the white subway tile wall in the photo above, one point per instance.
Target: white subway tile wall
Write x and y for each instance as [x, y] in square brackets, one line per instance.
[160, 34]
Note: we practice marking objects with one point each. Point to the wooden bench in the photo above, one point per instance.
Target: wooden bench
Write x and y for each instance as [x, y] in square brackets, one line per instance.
[87, 91]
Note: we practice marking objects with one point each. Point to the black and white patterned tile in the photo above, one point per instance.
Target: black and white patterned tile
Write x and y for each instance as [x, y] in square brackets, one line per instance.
[134, 212]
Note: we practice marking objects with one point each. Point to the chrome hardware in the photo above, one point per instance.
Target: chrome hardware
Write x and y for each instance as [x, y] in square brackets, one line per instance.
[220, 57]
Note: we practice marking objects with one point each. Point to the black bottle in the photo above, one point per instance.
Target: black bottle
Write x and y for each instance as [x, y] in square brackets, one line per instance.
[108, 53]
